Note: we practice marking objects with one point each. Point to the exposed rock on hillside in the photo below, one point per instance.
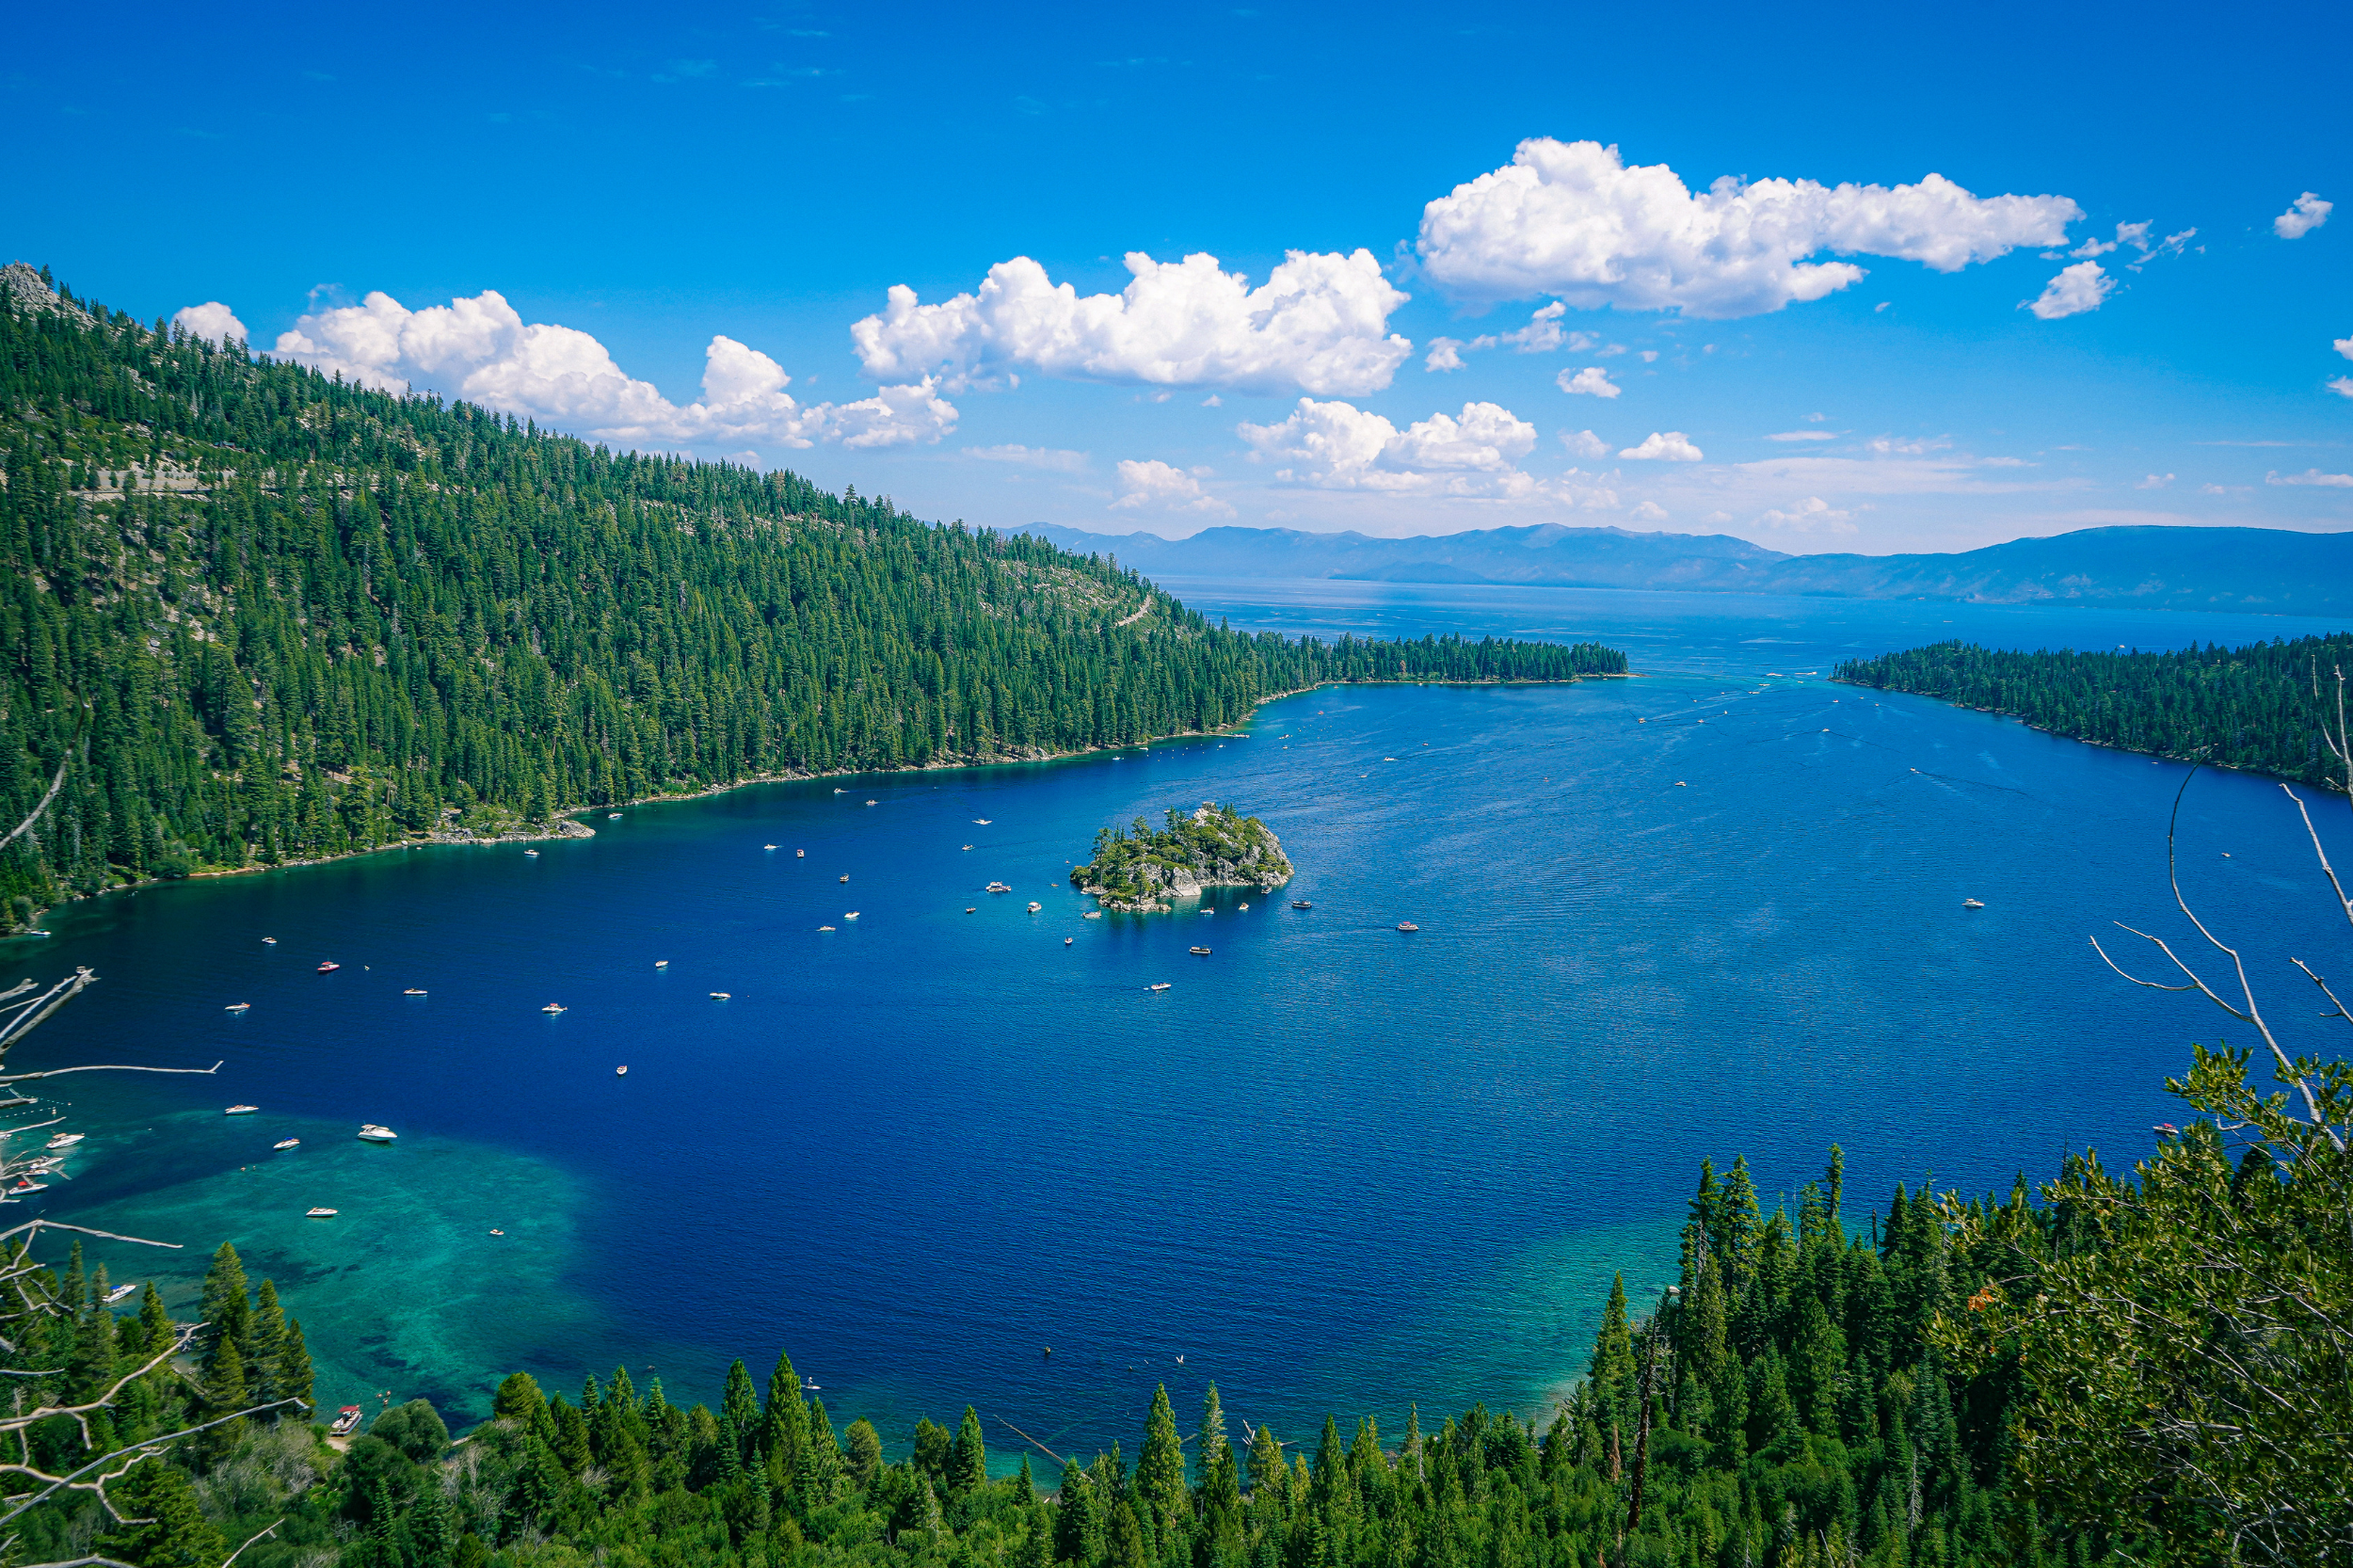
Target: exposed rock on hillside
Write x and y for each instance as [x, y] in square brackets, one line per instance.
[1139, 869]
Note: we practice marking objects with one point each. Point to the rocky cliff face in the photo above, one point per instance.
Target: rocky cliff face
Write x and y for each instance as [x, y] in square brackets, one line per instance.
[1215, 847]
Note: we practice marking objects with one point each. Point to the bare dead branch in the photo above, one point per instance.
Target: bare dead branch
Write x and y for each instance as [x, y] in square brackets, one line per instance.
[54, 785]
[249, 1539]
[105, 1067]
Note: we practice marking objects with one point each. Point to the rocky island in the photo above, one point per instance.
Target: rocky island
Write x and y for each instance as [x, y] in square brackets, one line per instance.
[1138, 870]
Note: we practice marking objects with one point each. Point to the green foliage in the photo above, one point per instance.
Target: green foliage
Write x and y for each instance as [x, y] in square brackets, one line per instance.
[2184, 1341]
[2261, 708]
[269, 615]
[1213, 846]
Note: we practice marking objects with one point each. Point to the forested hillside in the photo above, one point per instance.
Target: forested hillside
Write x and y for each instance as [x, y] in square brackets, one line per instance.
[2260, 707]
[256, 614]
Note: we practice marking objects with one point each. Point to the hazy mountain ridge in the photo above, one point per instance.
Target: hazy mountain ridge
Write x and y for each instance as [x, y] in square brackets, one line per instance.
[2183, 569]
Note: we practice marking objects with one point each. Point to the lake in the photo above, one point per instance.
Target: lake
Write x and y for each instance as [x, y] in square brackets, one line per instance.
[1712, 910]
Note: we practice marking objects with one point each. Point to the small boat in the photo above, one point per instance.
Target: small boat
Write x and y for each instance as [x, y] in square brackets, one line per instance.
[1065, 941]
[611, 816]
[1973, 903]
[320, 1214]
[1301, 903]
[968, 846]
[1209, 911]
[553, 1007]
[495, 1231]
[845, 876]
[982, 821]
[41, 934]
[1161, 986]
[375, 1134]
[65, 1139]
[871, 803]
[24, 1186]
[829, 928]
[800, 854]
[767, 846]
[414, 991]
[660, 963]
[809, 1385]
[238, 1007]
[851, 915]
[1407, 925]
[286, 1143]
[2166, 1130]
[531, 855]
[119, 1292]
[269, 941]
[346, 1421]
[329, 967]
[1001, 886]
[1246, 907]
[720, 996]
[621, 1072]
[841, 792]
[1093, 915]
[240, 1111]
[1201, 953]
[1035, 906]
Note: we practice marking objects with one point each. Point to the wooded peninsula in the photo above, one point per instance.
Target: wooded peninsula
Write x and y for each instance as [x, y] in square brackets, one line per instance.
[254, 614]
[2261, 708]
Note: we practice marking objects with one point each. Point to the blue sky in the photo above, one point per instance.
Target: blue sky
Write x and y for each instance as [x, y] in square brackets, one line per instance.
[662, 195]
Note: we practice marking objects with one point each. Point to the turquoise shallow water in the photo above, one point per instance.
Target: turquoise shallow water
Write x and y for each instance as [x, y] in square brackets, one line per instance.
[1334, 1167]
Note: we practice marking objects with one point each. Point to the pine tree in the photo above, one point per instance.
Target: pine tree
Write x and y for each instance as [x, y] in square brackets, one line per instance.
[518, 1400]
[291, 1379]
[784, 1432]
[432, 1533]
[1213, 1457]
[968, 1462]
[1160, 1463]
[171, 1531]
[263, 1343]
[228, 1309]
[739, 1406]
[1078, 1527]
[1611, 1371]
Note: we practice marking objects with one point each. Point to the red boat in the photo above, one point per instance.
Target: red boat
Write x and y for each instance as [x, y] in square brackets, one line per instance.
[329, 968]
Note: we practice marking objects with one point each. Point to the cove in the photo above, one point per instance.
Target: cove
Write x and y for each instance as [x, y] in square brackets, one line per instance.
[1334, 1167]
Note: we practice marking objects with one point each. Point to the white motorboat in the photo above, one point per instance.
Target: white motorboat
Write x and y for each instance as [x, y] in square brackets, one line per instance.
[720, 996]
[65, 1139]
[121, 1292]
[1035, 906]
[851, 915]
[1161, 985]
[372, 1133]
[286, 1144]
[320, 1214]
[414, 991]
[240, 1111]
[238, 1007]
[553, 1007]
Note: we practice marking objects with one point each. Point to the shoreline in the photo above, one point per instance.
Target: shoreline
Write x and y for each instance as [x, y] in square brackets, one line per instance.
[564, 823]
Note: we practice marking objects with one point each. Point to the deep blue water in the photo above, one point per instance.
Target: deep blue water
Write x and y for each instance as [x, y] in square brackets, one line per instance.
[1334, 1167]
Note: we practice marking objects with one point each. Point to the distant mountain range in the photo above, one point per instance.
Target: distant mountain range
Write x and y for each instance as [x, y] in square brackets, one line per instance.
[2261, 569]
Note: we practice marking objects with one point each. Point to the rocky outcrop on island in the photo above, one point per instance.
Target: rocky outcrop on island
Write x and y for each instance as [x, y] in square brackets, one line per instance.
[1139, 871]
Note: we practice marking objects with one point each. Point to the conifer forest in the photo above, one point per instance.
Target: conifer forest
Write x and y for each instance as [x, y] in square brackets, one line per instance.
[255, 616]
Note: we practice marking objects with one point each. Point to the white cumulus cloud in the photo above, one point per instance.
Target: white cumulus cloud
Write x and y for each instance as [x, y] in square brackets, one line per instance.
[1670, 445]
[1592, 380]
[1572, 221]
[212, 321]
[2311, 476]
[1542, 334]
[1157, 486]
[1584, 443]
[2075, 289]
[2341, 386]
[1318, 324]
[2154, 482]
[1339, 446]
[482, 350]
[2344, 347]
[2307, 213]
[1649, 511]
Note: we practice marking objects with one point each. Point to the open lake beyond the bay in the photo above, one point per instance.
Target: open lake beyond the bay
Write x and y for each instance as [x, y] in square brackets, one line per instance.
[1714, 909]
